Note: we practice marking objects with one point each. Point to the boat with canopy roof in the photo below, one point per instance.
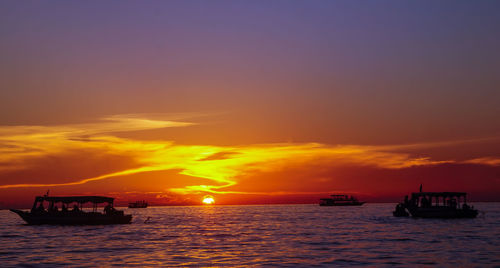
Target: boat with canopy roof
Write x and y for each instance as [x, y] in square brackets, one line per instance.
[138, 204]
[75, 215]
[340, 200]
[436, 205]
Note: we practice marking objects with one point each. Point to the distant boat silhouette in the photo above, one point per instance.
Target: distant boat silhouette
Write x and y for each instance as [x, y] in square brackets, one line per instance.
[340, 200]
[38, 214]
[138, 204]
[436, 205]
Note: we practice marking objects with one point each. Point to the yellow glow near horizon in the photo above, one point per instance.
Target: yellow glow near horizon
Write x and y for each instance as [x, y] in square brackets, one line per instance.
[208, 200]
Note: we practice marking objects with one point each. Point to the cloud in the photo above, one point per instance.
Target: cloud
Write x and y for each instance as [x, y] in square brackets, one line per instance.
[65, 167]
[219, 156]
[42, 156]
[492, 161]
[20, 142]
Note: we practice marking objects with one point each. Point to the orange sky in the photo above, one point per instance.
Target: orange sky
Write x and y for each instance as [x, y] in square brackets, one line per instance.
[95, 158]
[248, 101]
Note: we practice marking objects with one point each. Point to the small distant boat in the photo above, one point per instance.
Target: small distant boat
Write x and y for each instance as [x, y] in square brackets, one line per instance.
[340, 200]
[436, 205]
[138, 204]
[75, 216]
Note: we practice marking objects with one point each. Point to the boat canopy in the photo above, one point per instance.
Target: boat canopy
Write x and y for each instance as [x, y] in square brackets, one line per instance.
[436, 196]
[439, 194]
[341, 197]
[78, 199]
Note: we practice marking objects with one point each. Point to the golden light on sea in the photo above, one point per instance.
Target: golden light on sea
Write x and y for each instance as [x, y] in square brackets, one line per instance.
[208, 200]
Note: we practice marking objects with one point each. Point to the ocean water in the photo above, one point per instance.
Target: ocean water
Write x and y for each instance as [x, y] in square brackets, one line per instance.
[269, 235]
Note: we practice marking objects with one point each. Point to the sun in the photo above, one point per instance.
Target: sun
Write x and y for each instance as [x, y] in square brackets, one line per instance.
[208, 200]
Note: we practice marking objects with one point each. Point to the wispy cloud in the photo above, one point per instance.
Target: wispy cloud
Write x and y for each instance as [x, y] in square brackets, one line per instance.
[20, 142]
[222, 165]
[492, 161]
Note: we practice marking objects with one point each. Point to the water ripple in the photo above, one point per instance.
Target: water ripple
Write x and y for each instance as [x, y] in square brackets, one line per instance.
[280, 235]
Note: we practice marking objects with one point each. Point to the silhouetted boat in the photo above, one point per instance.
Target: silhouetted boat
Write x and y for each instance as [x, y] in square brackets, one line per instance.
[400, 211]
[340, 200]
[138, 204]
[75, 216]
[436, 205]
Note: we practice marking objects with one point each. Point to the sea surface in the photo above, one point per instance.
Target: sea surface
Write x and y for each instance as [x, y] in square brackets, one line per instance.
[268, 235]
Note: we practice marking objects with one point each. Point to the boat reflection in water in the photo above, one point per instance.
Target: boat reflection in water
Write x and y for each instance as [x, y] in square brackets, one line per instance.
[436, 205]
[74, 216]
[340, 200]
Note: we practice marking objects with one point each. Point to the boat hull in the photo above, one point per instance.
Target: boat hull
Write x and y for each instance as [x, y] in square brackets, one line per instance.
[70, 218]
[137, 206]
[400, 214]
[442, 213]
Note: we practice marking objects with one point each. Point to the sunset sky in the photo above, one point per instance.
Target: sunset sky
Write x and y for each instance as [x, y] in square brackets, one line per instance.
[250, 102]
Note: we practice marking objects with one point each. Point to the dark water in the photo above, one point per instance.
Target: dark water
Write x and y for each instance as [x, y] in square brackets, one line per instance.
[281, 235]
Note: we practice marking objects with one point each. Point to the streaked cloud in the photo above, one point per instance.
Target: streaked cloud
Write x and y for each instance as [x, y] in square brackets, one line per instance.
[25, 147]
[492, 161]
